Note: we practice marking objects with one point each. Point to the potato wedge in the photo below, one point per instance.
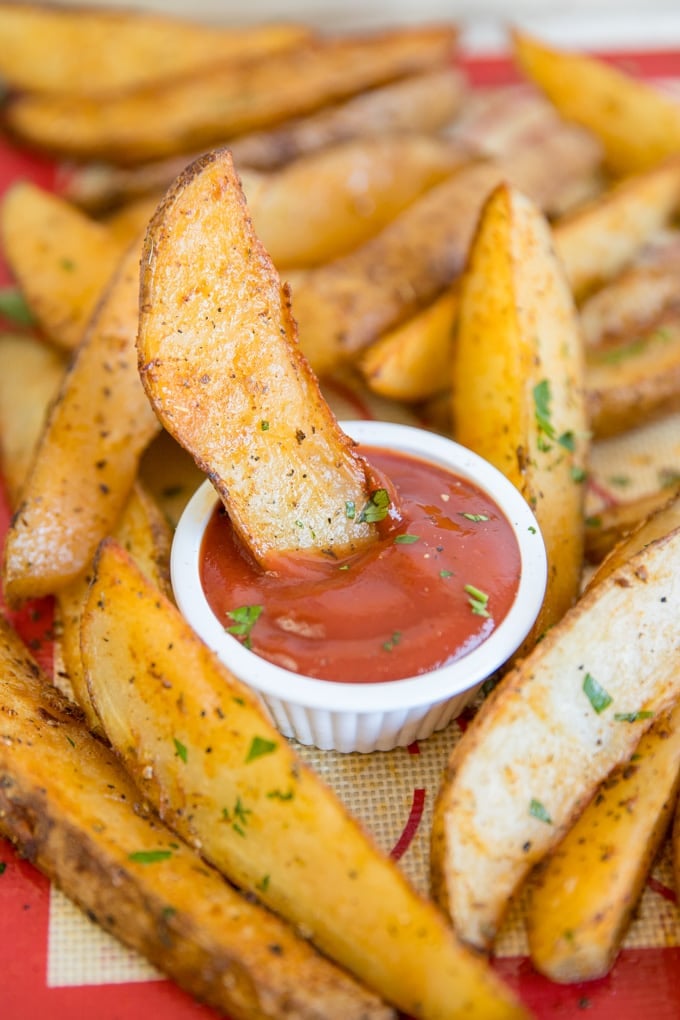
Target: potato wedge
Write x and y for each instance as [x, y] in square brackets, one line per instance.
[129, 221]
[422, 102]
[220, 363]
[170, 474]
[31, 373]
[517, 354]
[61, 259]
[80, 50]
[322, 205]
[69, 807]
[634, 382]
[87, 457]
[581, 702]
[197, 111]
[258, 812]
[600, 239]
[634, 301]
[613, 523]
[662, 521]
[412, 361]
[146, 535]
[637, 125]
[582, 897]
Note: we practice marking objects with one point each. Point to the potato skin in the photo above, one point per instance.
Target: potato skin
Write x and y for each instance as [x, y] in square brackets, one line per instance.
[71, 810]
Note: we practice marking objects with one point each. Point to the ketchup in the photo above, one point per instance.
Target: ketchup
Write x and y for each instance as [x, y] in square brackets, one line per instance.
[423, 594]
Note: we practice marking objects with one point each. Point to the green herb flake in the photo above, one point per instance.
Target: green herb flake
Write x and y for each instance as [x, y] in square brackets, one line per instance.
[542, 399]
[632, 716]
[168, 912]
[620, 481]
[376, 509]
[593, 521]
[406, 539]
[344, 566]
[71, 740]
[150, 856]
[180, 750]
[263, 884]
[264, 426]
[597, 696]
[445, 573]
[539, 811]
[578, 474]
[245, 618]
[67, 264]
[13, 307]
[238, 817]
[478, 600]
[350, 509]
[260, 746]
[390, 645]
[476, 518]
[280, 794]
[3, 867]
[568, 441]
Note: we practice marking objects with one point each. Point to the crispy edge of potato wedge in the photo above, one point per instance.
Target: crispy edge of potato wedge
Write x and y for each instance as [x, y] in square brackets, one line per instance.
[68, 806]
[87, 456]
[601, 238]
[145, 533]
[581, 701]
[204, 109]
[260, 811]
[61, 259]
[637, 124]
[582, 896]
[77, 50]
[518, 354]
[31, 373]
[610, 525]
[635, 381]
[220, 362]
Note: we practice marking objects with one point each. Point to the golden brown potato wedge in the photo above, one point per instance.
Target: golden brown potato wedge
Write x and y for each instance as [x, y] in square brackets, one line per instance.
[634, 382]
[129, 221]
[170, 474]
[61, 259]
[600, 239]
[412, 361]
[637, 125]
[81, 50]
[145, 533]
[582, 897]
[87, 457]
[613, 523]
[580, 702]
[322, 205]
[30, 375]
[73, 812]
[423, 102]
[634, 301]
[259, 813]
[662, 521]
[220, 362]
[517, 376]
[194, 112]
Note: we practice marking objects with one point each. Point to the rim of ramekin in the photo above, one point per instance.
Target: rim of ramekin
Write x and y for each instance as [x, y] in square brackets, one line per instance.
[438, 685]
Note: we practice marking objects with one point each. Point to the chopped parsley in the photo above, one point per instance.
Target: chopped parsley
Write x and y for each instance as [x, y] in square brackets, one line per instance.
[350, 509]
[260, 746]
[632, 716]
[238, 817]
[445, 573]
[478, 600]
[264, 426]
[597, 696]
[180, 750]
[377, 507]
[406, 539]
[150, 856]
[13, 307]
[393, 641]
[539, 811]
[475, 517]
[245, 618]
[542, 414]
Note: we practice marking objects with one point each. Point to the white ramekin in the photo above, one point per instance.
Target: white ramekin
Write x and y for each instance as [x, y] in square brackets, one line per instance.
[371, 716]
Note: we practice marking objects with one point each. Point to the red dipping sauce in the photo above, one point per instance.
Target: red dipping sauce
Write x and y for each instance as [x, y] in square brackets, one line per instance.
[424, 594]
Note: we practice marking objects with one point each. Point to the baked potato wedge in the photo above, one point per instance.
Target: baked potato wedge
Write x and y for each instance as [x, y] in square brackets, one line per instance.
[322, 205]
[73, 812]
[85, 51]
[611, 524]
[87, 456]
[191, 113]
[259, 814]
[422, 102]
[145, 533]
[581, 701]
[637, 124]
[220, 363]
[31, 373]
[518, 355]
[633, 302]
[635, 381]
[61, 259]
[582, 896]
[600, 239]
